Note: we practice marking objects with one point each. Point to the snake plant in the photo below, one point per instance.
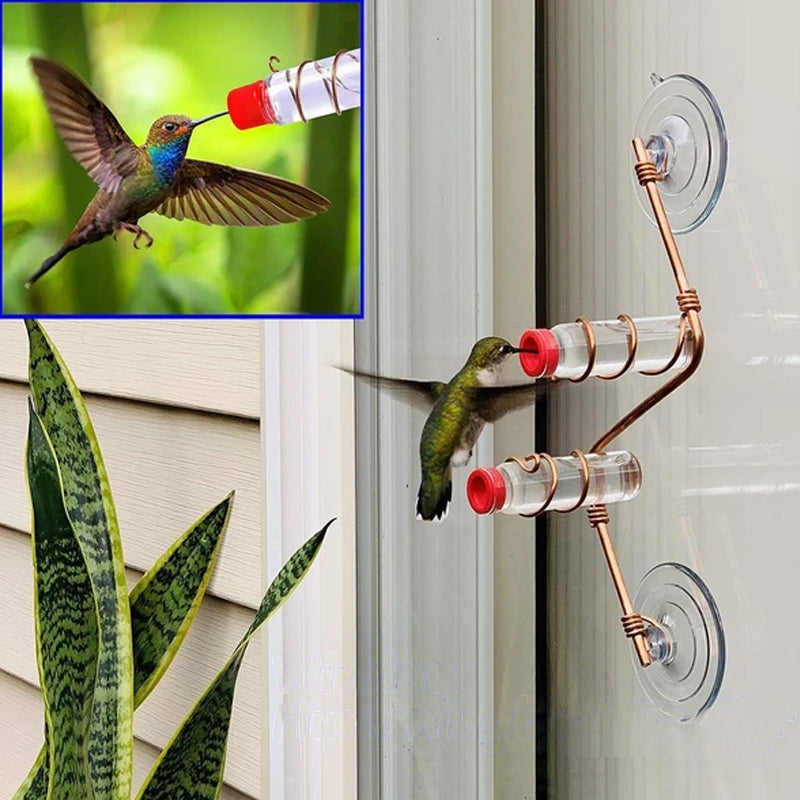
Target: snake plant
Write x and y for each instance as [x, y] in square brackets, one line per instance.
[101, 651]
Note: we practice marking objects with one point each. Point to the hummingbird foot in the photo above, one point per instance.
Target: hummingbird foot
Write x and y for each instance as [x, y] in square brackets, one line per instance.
[148, 243]
[140, 232]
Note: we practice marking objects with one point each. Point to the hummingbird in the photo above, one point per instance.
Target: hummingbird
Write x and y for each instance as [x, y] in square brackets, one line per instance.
[458, 411]
[133, 181]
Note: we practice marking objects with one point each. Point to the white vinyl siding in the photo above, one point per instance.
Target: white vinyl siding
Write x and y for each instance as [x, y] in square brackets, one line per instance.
[175, 405]
[188, 364]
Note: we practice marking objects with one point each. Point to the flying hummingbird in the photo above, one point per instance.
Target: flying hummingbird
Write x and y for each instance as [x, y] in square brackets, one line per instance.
[459, 410]
[157, 176]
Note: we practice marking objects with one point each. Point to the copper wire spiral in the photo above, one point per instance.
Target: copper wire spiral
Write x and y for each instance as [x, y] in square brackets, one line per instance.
[647, 172]
[633, 625]
[686, 301]
[536, 462]
[598, 515]
[331, 82]
[638, 624]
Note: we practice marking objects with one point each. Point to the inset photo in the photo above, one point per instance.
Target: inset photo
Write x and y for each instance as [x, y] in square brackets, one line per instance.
[176, 159]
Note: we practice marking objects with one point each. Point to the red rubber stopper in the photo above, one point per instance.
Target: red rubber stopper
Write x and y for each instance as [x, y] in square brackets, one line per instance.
[486, 490]
[249, 106]
[542, 359]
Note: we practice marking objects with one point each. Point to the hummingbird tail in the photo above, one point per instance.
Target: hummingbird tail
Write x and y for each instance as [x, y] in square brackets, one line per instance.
[434, 498]
[49, 263]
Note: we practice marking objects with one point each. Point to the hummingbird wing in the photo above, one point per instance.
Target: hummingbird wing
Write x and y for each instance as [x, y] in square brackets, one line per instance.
[496, 401]
[89, 130]
[215, 194]
[421, 394]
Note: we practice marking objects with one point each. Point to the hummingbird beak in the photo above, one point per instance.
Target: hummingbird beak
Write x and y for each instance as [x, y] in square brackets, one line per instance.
[196, 122]
[523, 350]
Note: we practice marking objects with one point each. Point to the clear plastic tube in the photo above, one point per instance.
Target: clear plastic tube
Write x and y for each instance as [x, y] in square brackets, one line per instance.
[285, 96]
[563, 352]
[509, 489]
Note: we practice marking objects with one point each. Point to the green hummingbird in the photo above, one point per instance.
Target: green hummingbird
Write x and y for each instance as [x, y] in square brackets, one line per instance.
[133, 181]
[458, 411]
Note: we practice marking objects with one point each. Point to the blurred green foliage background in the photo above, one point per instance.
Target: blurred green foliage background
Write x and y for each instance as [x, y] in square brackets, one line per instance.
[148, 59]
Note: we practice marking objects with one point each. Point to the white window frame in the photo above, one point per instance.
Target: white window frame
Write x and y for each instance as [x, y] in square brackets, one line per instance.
[309, 730]
[429, 295]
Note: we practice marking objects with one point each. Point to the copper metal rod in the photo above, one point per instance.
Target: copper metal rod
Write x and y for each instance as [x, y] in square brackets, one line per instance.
[643, 157]
[639, 641]
[640, 410]
[689, 305]
[634, 624]
[687, 302]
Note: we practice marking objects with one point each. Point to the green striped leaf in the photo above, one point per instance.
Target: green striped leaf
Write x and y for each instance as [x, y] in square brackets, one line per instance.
[66, 624]
[165, 601]
[191, 765]
[164, 604]
[88, 502]
[34, 787]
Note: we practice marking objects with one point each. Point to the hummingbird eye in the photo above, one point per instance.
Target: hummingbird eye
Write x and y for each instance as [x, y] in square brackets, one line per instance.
[170, 127]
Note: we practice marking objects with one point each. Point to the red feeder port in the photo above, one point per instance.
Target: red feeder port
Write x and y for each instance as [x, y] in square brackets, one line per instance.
[486, 490]
[249, 106]
[540, 359]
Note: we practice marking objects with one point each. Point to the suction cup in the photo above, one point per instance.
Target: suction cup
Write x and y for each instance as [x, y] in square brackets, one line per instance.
[681, 126]
[687, 644]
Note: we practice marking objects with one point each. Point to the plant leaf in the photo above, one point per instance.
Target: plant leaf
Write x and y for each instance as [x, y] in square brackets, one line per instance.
[88, 502]
[165, 601]
[164, 604]
[191, 765]
[66, 624]
[34, 786]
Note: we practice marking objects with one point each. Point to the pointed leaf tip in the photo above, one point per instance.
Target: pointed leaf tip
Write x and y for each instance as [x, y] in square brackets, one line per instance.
[91, 513]
[195, 755]
[312, 546]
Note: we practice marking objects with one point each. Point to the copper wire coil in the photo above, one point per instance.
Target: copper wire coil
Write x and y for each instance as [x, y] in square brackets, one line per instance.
[536, 462]
[676, 355]
[687, 299]
[647, 172]
[638, 624]
[522, 462]
[633, 345]
[591, 347]
[598, 515]
[331, 83]
[584, 479]
[633, 625]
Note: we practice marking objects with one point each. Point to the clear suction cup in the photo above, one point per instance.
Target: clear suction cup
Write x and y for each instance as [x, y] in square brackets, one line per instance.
[681, 125]
[687, 645]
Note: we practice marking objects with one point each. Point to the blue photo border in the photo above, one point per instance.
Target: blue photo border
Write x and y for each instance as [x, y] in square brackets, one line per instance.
[362, 237]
